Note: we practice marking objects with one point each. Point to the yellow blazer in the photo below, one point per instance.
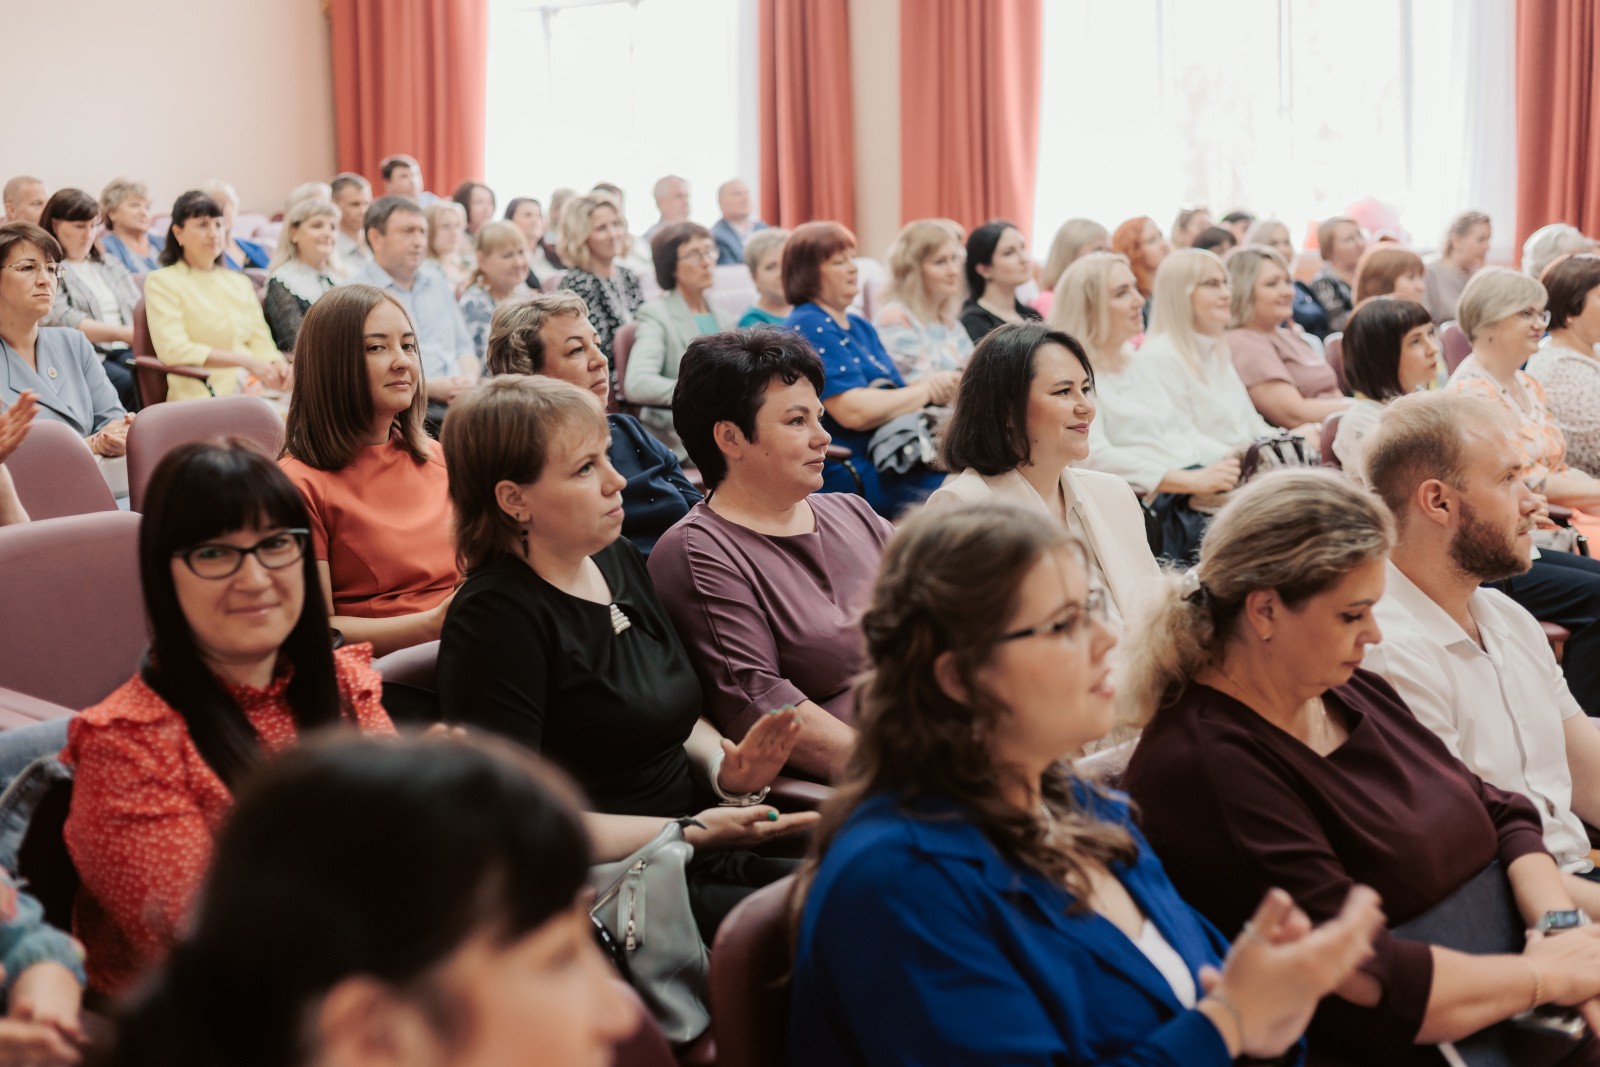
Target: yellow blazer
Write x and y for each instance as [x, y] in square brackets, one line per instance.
[1112, 520]
[192, 312]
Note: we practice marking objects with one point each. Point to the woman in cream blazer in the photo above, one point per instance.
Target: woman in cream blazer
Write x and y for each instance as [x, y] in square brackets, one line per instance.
[1021, 418]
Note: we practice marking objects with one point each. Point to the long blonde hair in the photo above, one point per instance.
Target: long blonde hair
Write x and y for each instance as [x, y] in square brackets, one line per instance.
[1068, 246]
[577, 224]
[1297, 532]
[1082, 305]
[302, 212]
[913, 245]
[1172, 308]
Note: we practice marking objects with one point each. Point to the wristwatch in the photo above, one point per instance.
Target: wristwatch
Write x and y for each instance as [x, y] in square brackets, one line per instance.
[1557, 922]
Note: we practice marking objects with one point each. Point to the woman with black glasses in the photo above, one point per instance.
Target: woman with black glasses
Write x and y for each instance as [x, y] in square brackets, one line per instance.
[240, 666]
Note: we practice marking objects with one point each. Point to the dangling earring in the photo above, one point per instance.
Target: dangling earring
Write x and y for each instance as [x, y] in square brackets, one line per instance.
[522, 535]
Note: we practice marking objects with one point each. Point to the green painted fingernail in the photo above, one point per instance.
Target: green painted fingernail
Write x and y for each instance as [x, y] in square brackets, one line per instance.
[772, 816]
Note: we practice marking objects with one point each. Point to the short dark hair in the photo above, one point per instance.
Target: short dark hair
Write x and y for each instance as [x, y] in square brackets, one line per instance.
[988, 431]
[981, 244]
[344, 180]
[381, 210]
[664, 247]
[201, 491]
[1214, 237]
[723, 377]
[16, 233]
[1233, 217]
[516, 202]
[1371, 344]
[463, 194]
[191, 205]
[1568, 282]
[70, 205]
[810, 246]
[395, 162]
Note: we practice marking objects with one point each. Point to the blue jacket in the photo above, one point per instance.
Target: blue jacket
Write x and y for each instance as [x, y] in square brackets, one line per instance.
[919, 944]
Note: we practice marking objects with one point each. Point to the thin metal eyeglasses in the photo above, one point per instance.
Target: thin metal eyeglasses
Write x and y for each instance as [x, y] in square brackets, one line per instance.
[28, 268]
[214, 561]
[704, 255]
[1094, 606]
[1529, 315]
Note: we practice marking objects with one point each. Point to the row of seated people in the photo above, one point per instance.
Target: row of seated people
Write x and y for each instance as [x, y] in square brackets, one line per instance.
[961, 863]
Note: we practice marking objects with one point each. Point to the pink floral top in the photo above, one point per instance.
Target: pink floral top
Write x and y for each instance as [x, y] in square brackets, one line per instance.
[1539, 436]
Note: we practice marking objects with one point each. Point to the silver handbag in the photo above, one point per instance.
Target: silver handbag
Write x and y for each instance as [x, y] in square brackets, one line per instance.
[643, 903]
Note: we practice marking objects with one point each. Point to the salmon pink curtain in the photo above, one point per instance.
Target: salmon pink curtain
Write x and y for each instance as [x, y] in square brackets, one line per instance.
[409, 76]
[807, 136]
[970, 73]
[1558, 103]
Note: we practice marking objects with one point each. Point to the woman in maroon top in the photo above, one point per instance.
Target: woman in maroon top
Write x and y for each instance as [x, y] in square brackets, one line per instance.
[765, 579]
[1270, 759]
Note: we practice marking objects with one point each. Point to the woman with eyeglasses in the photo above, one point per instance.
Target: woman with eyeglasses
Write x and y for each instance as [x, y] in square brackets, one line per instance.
[240, 666]
[1503, 312]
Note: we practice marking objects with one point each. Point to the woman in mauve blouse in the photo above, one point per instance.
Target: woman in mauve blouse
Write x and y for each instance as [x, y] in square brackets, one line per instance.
[239, 666]
[1289, 382]
[766, 578]
[1269, 759]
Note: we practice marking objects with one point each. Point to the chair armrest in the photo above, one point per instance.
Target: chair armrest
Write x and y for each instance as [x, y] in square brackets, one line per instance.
[182, 371]
[837, 453]
[1561, 516]
[30, 707]
[797, 794]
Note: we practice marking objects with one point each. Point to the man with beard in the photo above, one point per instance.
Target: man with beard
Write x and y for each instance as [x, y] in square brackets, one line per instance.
[1472, 665]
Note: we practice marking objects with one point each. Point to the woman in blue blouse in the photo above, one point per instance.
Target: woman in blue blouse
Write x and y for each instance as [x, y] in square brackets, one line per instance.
[969, 901]
[862, 390]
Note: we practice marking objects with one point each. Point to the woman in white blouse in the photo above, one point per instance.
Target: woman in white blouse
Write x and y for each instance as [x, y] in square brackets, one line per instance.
[1137, 435]
[1022, 418]
[918, 323]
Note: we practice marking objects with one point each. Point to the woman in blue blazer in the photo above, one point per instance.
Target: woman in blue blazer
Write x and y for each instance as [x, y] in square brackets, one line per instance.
[969, 901]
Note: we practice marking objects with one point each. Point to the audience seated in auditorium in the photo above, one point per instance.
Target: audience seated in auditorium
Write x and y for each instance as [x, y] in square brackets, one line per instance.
[203, 315]
[304, 267]
[1289, 382]
[500, 255]
[156, 763]
[1266, 743]
[478, 201]
[1137, 434]
[1022, 420]
[862, 390]
[14, 421]
[1140, 240]
[1190, 223]
[1239, 223]
[402, 176]
[397, 237]
[325, 962]
[1390, 349]
[971, 900]
[237, 252]
[1074, 239]
[763, 254]
[1473, 666]
[24, 198]
[686, 267]
[919, 321]
[1466, 246]
[1549, 243]
[448, 245]
[1387, 269]
[1567, 364]
[125, 210]
[766, 579]
[1185, 365]
[1308, 314]
[997, 266]
[672, 202]
[594, 237]
[55, 363]
[1340, 242]
[527, 215]
[557, 640]
[352, 195]
[1218, 240]
[737, 223]
[374, 485]
[95, 293]
[551, 334]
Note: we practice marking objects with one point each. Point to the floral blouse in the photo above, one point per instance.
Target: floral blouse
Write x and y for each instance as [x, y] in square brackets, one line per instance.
[1539, 436]
[920, 349]
[146, 808]
[477, 310]
[1571, 382]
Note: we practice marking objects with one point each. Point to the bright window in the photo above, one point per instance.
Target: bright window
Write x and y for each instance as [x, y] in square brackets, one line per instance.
[623, 91]
[1289, 108]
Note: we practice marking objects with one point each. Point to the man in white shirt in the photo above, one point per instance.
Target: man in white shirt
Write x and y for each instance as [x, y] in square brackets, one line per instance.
[352, 195]
[1471, 664]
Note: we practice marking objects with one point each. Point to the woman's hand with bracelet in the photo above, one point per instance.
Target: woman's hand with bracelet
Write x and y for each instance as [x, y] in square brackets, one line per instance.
[1566, 971]
[1281, 967]
[750, 765]
[730, 828]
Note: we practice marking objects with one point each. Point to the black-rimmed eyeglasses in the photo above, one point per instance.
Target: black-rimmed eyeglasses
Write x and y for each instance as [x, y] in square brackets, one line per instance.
[216, 561]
